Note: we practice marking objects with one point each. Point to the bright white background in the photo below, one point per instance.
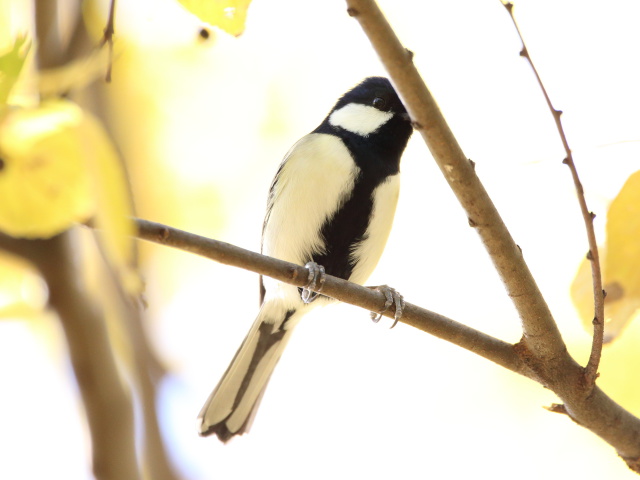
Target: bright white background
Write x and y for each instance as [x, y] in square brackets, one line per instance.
[351, 399]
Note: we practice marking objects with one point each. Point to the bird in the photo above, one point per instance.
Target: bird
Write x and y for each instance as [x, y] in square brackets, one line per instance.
[330, 207]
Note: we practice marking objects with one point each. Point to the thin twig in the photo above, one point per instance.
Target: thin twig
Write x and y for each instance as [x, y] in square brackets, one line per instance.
[107, 38]
[591, 370]
[466, 337]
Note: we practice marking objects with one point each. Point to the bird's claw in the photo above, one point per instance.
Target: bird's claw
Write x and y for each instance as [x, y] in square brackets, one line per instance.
[391, 296]
[316, 277]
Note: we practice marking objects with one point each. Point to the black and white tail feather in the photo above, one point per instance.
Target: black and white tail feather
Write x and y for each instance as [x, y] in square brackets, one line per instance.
[331, 202]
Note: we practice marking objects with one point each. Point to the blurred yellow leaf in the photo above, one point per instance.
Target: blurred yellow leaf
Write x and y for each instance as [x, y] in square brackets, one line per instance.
[58, 167]
[44, 186]
[11, 64]
[228, 15]
[620, 265]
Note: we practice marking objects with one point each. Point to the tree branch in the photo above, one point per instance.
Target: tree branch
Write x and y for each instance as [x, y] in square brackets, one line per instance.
[541, 334]
[591, 370]
[541, 347]
[442, 327]
[596, 411]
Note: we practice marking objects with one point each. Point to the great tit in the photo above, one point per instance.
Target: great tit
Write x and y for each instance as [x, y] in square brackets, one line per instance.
[331, 206]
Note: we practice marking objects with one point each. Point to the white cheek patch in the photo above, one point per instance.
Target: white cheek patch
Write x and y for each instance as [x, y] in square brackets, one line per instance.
[360, 119]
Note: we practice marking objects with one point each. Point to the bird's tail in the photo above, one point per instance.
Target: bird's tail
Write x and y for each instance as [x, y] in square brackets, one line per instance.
[232, 405]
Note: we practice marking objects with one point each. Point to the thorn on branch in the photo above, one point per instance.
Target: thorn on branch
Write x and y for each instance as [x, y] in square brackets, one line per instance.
[472, 163]
[352, 12]
[519, 248]
[416, 125]
[557, 408]
[592, 215]
[590, 256]
[604, 293]
[524, 53]
[410, 54]
[472, 222]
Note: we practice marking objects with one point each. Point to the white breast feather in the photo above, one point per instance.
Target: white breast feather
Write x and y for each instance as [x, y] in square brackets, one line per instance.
[360, 119]
[315, 180]
[368, 252]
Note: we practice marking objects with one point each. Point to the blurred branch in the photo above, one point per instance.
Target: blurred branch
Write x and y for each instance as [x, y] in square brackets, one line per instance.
[50, 48]
[541, 347]
[442, 327]
[106, 401]
[591, 370]
[107, 38]
[146, 371]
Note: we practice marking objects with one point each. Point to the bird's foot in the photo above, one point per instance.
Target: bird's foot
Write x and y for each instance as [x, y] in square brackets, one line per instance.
[391, 297]
[315, 282]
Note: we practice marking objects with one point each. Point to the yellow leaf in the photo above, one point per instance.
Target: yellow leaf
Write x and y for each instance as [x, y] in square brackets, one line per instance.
[11, 64]
[228, 15]
[44, 185]
[623, 237]
[58, 167]
[620, 265]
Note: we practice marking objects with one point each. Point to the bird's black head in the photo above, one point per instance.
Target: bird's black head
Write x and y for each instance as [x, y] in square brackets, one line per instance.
[370, 116]
[376, 92]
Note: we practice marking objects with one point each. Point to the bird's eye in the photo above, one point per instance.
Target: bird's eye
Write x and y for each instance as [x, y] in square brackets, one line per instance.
[379, 103]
